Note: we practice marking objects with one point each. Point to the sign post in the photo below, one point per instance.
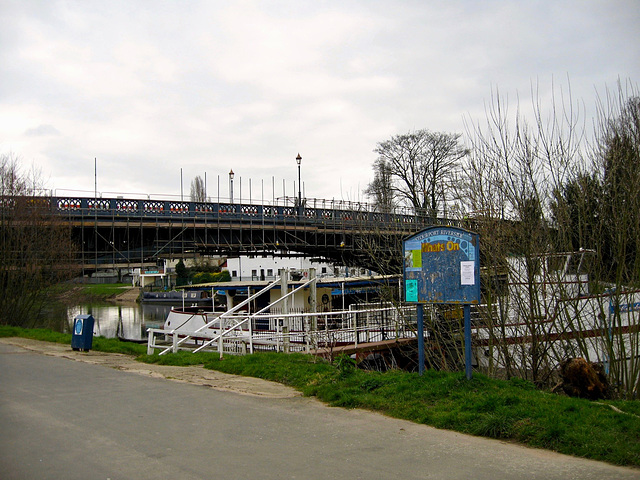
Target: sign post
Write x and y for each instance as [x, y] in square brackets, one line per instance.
[442, 266]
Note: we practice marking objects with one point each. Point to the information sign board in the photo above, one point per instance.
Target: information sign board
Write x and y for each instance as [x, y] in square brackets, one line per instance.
[442, 265]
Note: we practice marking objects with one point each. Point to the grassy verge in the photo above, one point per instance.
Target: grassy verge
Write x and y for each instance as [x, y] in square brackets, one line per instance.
[72, 293]
[100, 344]
[508, 410]
[105, 290]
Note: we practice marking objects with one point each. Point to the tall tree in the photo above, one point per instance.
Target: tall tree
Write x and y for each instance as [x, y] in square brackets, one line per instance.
[381, 188]
[417, 169]
[599, 209]
[198, 192]
[618, 156]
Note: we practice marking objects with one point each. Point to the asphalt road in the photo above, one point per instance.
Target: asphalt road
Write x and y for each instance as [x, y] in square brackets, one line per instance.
[64, 419]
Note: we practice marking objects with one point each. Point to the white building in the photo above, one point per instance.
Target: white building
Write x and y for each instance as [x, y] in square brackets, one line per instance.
[257, 267]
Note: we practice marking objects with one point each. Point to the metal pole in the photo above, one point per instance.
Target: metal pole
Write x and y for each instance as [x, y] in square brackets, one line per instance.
[420, 312]
[95, 214]
[299, 192]
[299, 161]
[467, 341]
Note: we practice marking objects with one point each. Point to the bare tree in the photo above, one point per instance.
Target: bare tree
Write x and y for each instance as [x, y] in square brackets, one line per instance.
[380, 190]
[417, 168]
[198, 192]
[35, 248]
[512, 172]
[617, 159]
[560, 229]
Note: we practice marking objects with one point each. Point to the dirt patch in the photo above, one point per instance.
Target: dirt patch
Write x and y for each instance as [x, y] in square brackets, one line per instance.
[194, 375]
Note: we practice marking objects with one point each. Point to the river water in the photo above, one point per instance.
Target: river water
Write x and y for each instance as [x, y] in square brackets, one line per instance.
[126, 321]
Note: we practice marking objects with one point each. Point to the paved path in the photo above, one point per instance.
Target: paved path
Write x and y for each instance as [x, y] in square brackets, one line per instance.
[72, 419]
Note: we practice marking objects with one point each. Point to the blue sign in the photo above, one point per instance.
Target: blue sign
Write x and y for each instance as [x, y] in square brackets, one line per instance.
[442, 265]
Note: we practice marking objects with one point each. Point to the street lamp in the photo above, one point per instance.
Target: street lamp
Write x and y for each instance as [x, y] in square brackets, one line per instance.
[298, 161]
[231, 175]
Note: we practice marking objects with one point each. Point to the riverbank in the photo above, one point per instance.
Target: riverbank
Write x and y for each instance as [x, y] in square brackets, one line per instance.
[86, 293]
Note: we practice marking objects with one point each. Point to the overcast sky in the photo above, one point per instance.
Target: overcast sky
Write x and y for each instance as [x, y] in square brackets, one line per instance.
[152, 87]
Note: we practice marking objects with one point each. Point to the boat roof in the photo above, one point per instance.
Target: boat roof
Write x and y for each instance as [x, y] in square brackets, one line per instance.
[324, 282]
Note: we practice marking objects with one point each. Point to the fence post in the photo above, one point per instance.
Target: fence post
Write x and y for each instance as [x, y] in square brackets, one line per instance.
[420, 312]
[220, 339]
[467, 341]
[313, 301]
[284, 290]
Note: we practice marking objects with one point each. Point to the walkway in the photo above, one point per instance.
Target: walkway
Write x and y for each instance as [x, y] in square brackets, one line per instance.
[76, 420]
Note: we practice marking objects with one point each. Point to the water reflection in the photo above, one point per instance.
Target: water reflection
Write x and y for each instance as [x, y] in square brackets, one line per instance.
[126, 321]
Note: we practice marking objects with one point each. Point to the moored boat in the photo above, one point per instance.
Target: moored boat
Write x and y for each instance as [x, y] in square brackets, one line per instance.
[194, 297]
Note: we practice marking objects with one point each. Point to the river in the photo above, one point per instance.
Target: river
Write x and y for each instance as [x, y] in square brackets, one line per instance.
[127, 321]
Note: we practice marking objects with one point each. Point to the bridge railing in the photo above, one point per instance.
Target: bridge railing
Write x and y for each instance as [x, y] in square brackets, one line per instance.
[284, 209]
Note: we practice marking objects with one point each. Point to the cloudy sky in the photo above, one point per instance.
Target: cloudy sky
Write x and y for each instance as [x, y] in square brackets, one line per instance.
[150, 88]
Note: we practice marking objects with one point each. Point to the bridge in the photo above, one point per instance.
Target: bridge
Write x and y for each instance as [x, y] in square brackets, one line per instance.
[125, 232]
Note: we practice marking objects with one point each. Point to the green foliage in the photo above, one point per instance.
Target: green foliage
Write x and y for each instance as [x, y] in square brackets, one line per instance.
[179, 359]
[99, 344]
[113, 345]
[300, 371]
[35, 334]
[202, 272]
[495, 425]
[208, 277]
[345, 364]
[182, 273]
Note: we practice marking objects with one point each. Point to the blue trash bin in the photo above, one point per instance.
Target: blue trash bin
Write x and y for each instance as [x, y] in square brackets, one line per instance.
[82, 335]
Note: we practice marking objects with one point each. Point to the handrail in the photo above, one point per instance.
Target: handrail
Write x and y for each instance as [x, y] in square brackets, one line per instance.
[391, 325]
[252, 316]
[225, 314]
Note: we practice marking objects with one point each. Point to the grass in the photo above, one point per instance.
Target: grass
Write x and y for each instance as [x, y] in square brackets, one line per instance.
[104, 290]
[100, 344]
[509, 410]
[73, 293]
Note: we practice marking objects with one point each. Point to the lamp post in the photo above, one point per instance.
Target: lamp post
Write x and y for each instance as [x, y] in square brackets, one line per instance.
[231, 175]
[298, 161]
